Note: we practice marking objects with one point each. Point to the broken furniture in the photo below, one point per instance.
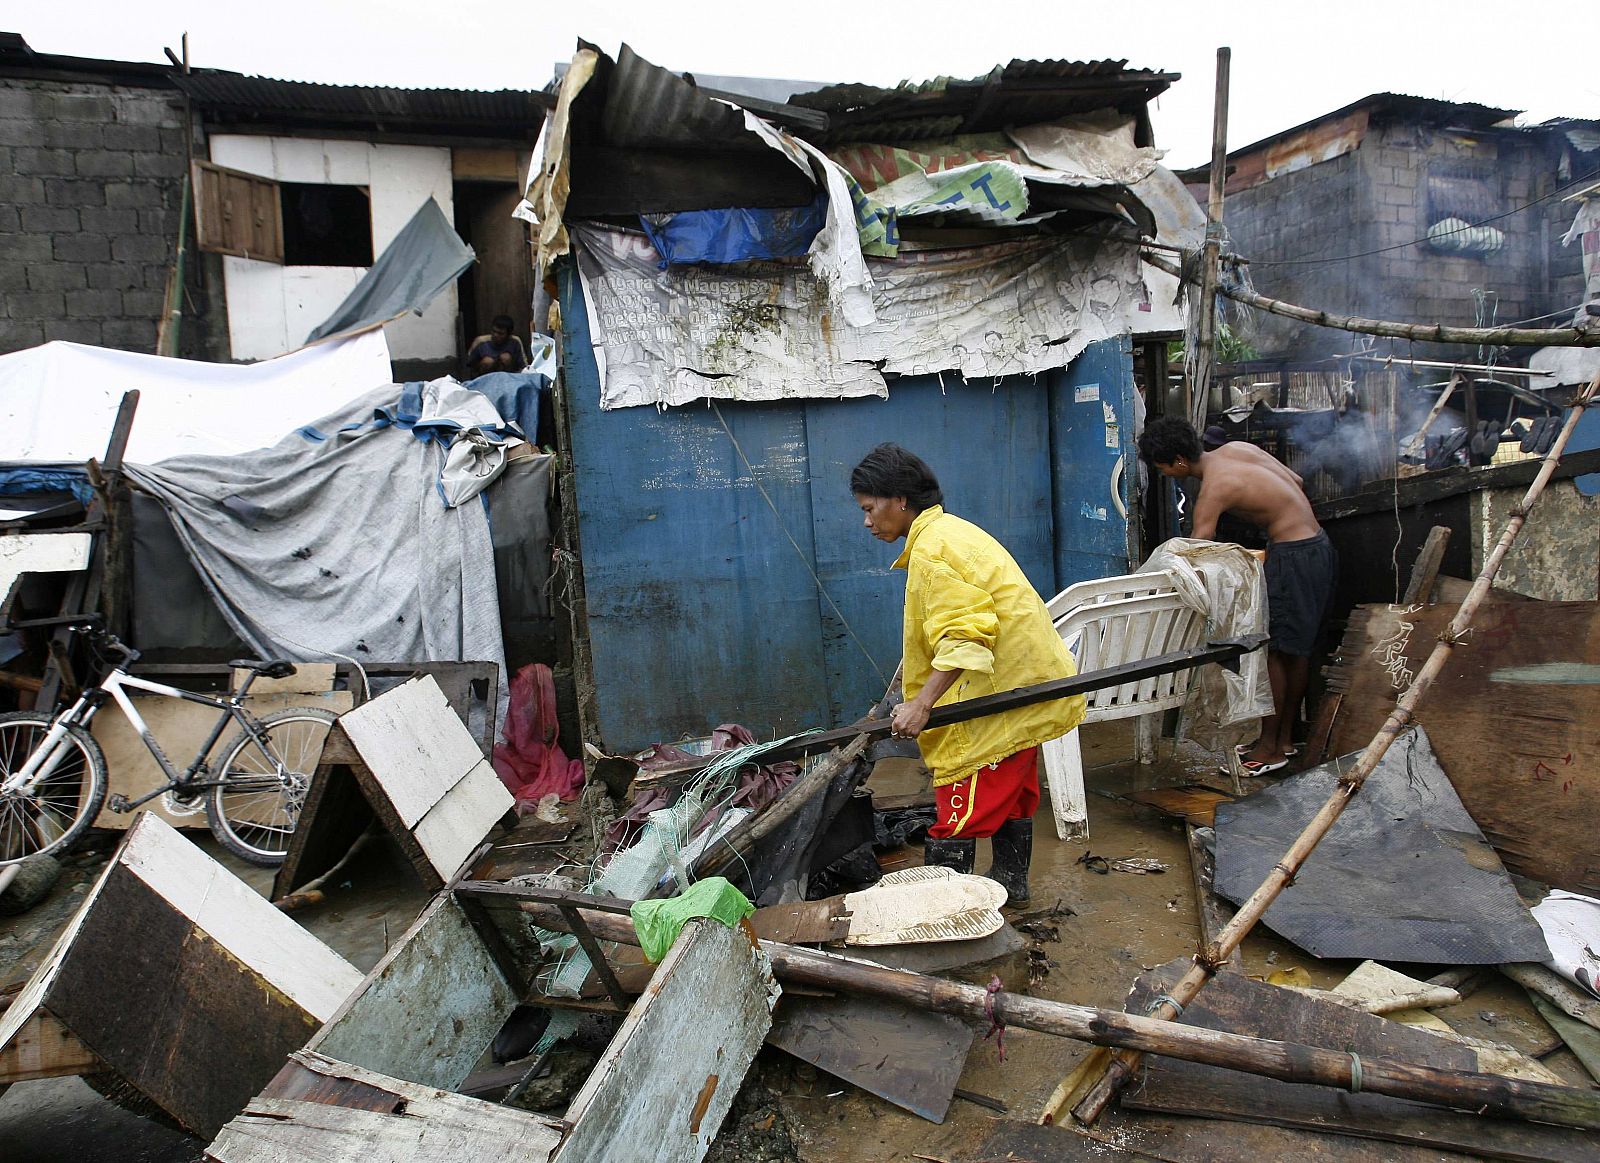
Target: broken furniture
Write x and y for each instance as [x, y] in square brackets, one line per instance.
[660, 1092]
[1108, 623]
[178, 977]
[407, 759]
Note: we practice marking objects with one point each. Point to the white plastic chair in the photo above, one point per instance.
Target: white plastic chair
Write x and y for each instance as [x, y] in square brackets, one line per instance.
[1112, 622]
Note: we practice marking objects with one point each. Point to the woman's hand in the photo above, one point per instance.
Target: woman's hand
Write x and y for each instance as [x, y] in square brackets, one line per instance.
[908, 720]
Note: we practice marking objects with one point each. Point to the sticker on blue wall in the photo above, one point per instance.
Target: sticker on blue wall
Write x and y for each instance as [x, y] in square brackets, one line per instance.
[1092, 512]
[1086, 394]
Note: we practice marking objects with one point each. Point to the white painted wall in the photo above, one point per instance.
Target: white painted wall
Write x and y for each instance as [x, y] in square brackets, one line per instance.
[271, 308]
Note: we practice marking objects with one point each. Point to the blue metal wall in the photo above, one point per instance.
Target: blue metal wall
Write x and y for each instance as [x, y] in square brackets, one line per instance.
[701, 528]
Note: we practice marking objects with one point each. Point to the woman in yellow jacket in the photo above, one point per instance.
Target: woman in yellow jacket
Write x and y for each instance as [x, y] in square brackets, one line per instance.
[973, 626]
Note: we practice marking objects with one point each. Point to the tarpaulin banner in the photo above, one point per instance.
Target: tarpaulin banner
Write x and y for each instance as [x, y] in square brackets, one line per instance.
[767, 331]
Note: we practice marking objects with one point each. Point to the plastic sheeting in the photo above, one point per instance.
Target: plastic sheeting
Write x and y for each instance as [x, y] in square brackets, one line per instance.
[422, 260]
[725, 236]
[338, 546]
[1571, 925]
[59, 401]
[1228, 585]
[1405, 874]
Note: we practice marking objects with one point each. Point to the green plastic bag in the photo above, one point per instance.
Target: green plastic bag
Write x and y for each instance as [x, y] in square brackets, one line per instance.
[658, 922]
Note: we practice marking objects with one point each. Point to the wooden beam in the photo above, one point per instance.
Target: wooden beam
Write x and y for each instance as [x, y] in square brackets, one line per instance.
[1426, 488]
[1312, 1065]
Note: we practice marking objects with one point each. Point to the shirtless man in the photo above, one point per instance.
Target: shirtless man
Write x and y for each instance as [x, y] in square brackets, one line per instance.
[1241, 479]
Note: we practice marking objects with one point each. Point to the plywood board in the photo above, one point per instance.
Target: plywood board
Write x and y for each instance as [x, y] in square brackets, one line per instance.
[666, 1081]
[392, 1121]
[183, 980]
[428, 1008]
[180, 728]
[43, 1048]
[416, 747]
[1511, 718]
[455, 826]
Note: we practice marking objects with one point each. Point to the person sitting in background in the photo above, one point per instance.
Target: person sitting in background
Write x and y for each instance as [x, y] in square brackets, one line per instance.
[498, 351]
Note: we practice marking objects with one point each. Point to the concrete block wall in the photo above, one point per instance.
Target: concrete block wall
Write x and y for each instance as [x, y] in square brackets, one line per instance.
[1308, 214]
[90, 193]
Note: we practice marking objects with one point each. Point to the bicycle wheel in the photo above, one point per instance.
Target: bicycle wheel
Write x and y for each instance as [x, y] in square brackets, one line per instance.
[254, 810]
[63, 804]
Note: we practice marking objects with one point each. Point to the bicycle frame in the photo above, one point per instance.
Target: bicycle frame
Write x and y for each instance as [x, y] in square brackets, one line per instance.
[116, 685]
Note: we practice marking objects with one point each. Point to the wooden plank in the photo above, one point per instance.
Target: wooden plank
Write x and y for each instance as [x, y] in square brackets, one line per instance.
[1426, 570]
[44, 1048]
[666, 1081]
[455, 826]
[1213, 912]
[1425, 488]
[425, 1126]
[428, 1008]
[470, 163]
[416, 747]
[40, 553]
[334, 814]
[1510, 727]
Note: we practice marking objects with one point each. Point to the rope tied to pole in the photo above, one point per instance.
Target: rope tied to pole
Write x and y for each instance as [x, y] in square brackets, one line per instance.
[1165, 999]
[1355, 1073]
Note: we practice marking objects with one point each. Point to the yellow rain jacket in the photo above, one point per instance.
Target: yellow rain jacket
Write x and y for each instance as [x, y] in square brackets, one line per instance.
[969, 607]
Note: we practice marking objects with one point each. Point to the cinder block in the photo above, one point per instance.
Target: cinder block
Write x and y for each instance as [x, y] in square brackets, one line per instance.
[16, 334]
[57, 276]
[36, 304]
[16, 131]
[73, 330]
[83, 107]
[28, 248]
[104, 163]
[72, 134]
[15, 191]
[115, 276]
[163, 222]
[88, 304]
[133, 137]
[10, 223]
[43, 163]
[105, 220]
[81, 247]
[130, 334]
[49, 218]
[140, 248]
[158, 165]
[21, 102]
[143, 304]
[149, 108]
[77, 192]
[172, 142]
[139, 193]
[13, 275]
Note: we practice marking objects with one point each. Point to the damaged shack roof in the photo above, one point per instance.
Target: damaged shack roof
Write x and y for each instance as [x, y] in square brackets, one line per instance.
[232, 98]
[1020, 93]
[650, 106]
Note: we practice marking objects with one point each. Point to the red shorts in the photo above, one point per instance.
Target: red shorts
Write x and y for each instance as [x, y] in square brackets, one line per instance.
[978, 805]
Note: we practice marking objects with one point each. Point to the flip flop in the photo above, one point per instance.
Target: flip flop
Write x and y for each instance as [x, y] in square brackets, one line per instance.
[1246, 748]
[1253, 767]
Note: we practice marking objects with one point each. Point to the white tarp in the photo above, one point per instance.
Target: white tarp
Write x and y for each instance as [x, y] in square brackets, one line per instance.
[59, 401]
[767, 331]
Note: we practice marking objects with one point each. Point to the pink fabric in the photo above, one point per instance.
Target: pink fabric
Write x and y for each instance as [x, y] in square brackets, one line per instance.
[530, 762]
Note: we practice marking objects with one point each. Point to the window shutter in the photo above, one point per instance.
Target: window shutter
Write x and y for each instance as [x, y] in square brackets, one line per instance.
[237, 213]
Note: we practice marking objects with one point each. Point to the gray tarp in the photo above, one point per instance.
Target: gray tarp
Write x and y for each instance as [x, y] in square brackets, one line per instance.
[424, 258]
[335, 540]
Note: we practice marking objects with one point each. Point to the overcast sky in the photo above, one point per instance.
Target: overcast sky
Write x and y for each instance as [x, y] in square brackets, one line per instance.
[1291, 60]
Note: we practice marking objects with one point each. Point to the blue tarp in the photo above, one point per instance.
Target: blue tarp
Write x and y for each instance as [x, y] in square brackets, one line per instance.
[726, 236]
[23, 482]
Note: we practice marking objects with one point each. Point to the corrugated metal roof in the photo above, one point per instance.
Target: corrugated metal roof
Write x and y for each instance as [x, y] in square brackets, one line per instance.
[1019, 93]
[504, 112]
[649, 107]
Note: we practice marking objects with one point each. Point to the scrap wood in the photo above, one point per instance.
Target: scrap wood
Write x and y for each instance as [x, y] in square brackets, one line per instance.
[1582, 1040]
[1381, 990]
[1195, 804]
[1205, 967]
[1212, 912]
[1557, 990]
[1458, 1088]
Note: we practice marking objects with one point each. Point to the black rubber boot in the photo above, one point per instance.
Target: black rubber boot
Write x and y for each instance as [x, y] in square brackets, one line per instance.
[1013, 852]
[953, 854]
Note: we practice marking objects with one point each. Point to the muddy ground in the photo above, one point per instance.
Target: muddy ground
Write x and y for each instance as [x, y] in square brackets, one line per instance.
[1110, 928]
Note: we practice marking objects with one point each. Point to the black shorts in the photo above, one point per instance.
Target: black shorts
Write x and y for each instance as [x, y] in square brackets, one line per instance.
[1299, 590]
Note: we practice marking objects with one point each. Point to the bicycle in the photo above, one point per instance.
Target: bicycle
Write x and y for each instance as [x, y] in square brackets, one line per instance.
[53, 778]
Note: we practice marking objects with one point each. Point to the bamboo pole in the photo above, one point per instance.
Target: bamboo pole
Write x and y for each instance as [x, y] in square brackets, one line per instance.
[1417, 332]
[1216, 954]
[1199, 362]
[1420, 439]
[1310, 1065]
